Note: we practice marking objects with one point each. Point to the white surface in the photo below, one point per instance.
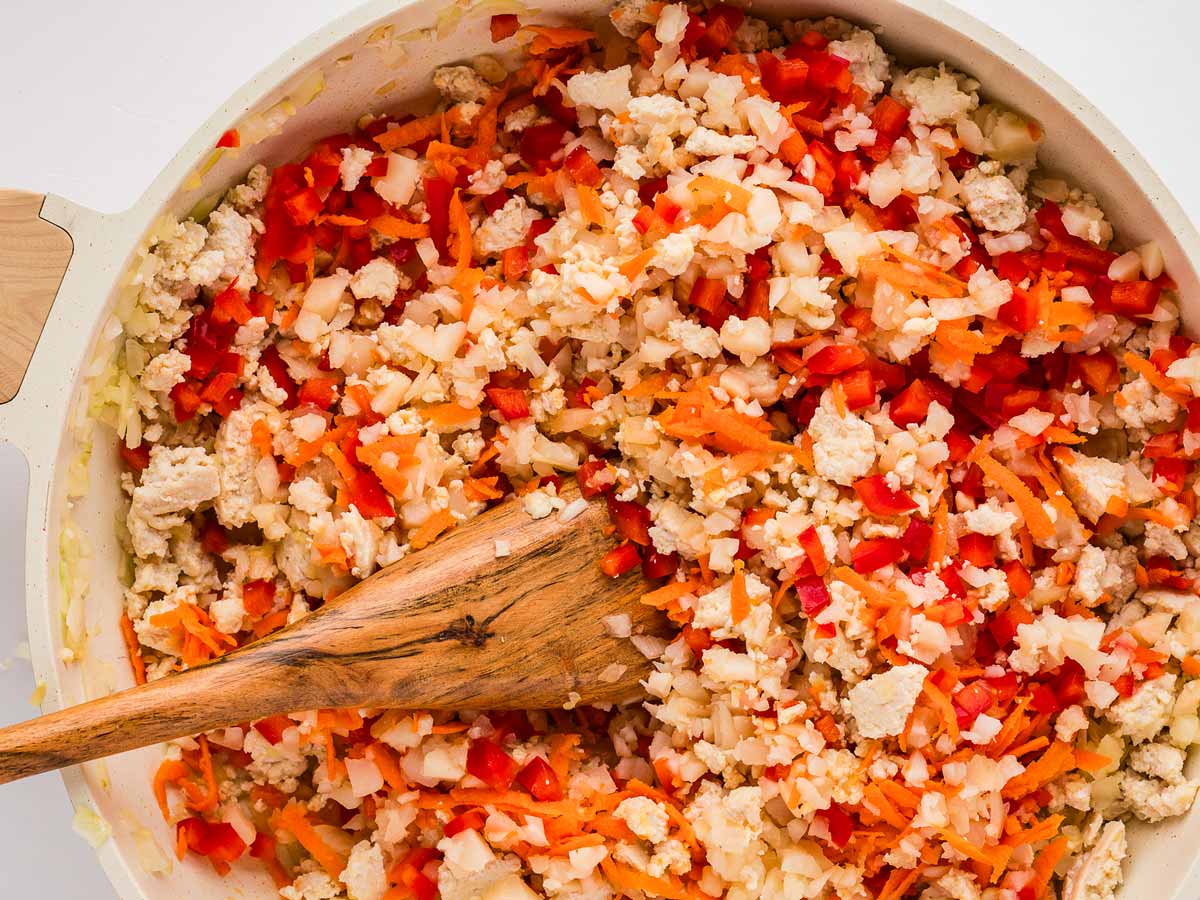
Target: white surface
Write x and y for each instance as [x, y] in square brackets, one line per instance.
[131, 80]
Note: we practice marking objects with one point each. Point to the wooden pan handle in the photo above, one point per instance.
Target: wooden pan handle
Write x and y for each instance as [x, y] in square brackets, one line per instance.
[33, 259]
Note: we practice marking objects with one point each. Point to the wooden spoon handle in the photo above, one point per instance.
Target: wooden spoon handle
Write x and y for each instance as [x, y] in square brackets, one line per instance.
[187, 703]
[33, 259]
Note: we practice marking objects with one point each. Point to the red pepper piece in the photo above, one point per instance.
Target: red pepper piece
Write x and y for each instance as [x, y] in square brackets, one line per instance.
[511, 402]
[619, 560]
[870, 555]
[880, 499]
[503, 26]
[489, 763]
[540, 780]
[813, 595]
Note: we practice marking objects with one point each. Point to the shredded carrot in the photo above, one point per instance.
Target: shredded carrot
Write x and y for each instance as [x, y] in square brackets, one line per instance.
[1031, 507]
[395, 227]
[943, 707]
[134, 649]
[450, 415]
[590, 206]
[1044, 865]
[898, 883]
[260, 438]
[1057, 760]
[660, 598]
[708, 190]
[389, 767]
[995, 857]
[547, 38]
[292, 818]
[872, 592]
[628, 879]
[1150, 372]
[739, 599]
[1089, 761]
[425, 533]
[410, 132]
[170, 771]
[635, 266]
[914, 276]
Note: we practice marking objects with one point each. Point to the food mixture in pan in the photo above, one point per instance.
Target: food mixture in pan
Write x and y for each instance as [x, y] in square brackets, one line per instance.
[907, 444]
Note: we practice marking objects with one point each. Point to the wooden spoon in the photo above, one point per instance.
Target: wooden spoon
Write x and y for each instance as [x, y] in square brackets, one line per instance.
[453, 626]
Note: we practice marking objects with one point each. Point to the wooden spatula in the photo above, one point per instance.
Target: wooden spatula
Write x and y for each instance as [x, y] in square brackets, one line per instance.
[452, 626]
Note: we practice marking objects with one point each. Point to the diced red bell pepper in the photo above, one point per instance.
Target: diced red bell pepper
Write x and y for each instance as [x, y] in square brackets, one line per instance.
[830, 72]
[813, 595]
[810, 543]
[216, 840]
[1162, 445]
[839, 823]
[1135, 298]
[631, 519]
[320, 391]
[880, 499]
[186, 400]
[585, 475]
[582, 169]
[272, 727]
[783, 79]
[978, 549]
[974, 699]
[438, 193]
[619, 560]
[218, 386]
[368, 496]
[756, 303]
[889, 119]
[697, 639]
[471, 820]
[1020, 582]
[1004, 624]
[540, 780]
[503, 25]
[304, 206]
[230, 139]
[1022, 313]
[911, 405]
[274, 364]
[870, 555]
[258, 597]
[230, 306]
[917, 538]
[1170, 474]
[511, 402]
[539, 143]
[515, 262]
[707, 293]
[950, 577]
[137, 458]
[858, 387]
[959, 443]
[1068, 683]
[488, 762]
[721, 23]
[835, 359]
[660, 565]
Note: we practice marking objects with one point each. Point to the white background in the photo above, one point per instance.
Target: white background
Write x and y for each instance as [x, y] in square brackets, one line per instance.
[96, 97]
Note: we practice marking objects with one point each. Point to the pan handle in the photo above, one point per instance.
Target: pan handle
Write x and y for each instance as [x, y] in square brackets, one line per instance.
[34, 254]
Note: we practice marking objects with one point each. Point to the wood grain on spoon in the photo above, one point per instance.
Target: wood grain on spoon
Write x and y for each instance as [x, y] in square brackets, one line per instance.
[452, 626]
